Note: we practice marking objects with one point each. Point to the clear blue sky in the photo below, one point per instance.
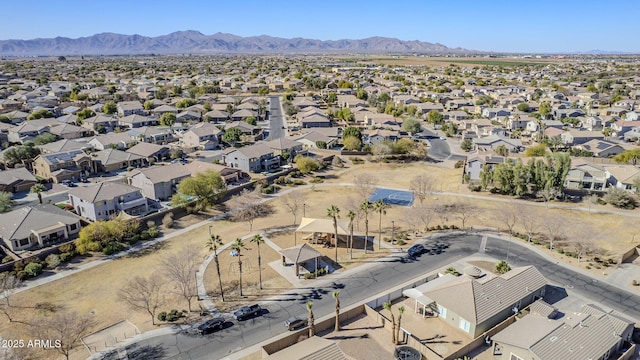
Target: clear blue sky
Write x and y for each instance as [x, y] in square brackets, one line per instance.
[490, 25]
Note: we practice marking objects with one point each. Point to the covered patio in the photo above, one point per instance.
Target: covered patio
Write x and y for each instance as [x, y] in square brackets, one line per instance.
[320, 231]
[302, 255]
[423, 303]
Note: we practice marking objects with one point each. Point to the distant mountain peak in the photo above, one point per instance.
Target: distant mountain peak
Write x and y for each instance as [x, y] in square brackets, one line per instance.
[195, 42]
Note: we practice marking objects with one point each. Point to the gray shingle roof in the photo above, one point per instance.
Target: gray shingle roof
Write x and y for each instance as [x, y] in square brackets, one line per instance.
[107, 190]
[17, 224]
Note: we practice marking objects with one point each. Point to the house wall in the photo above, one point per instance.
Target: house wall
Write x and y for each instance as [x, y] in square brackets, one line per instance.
[473, 169]
[507, 350]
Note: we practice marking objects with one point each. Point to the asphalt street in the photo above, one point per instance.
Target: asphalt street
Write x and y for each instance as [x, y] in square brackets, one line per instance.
[361, 285]
[276, 119]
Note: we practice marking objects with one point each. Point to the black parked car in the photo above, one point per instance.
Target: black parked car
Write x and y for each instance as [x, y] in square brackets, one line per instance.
[415, 250]
[210, 325]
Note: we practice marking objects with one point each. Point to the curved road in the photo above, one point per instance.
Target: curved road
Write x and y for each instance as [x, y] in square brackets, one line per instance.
[372, 279]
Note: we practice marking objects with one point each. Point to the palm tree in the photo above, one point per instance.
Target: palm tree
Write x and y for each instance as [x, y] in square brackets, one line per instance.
[257, 239]
[336, 295]
[334, 213]
[387, 306]
[212, 244]
[237, 246]
[381, 208]
[38, 189]
[365, 207]
[351, 215]
[401, 310]
[310, 319]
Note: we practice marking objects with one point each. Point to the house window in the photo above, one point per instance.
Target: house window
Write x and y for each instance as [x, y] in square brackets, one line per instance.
[24, 242]
[442, 311]
[73, 227]
[465, 325]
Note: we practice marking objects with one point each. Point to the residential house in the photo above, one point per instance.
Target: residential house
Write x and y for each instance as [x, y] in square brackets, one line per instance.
[64, 145]
[592, 123]
[16, 116]
[216, 116]
[254, 158]
[69, 131]
[476, 162]
[112, 141]
[376, 136]
[492, 142]
[137, 121]
[127, 108]
[622, 176]
[350, 101]
[567, 113]
[601, 148]
[311, 139]
[151, 152]
[28, 130]
[188, 116]
[620, 127]
[230, 176]
[154, 135]
[69, 165]
[243, 114]
[107, 199]
[164, 108]
[455, 115]
[35, 226]
[475, 305]
[109, 160]
[577, 137]
[586, 177]
[100, 123]
[632, 135]
[203, 136]
[16, 180]
[315, 121]
[250, 132]
[424, 108]
[495, 113]
[591, 333]
[158, 182]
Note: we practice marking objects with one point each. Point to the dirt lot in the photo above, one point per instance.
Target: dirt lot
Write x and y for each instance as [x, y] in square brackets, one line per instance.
[95, 291]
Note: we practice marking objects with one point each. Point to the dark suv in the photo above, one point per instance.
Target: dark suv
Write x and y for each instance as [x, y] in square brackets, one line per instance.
[415, 250]
[246, 312]
[210, 325]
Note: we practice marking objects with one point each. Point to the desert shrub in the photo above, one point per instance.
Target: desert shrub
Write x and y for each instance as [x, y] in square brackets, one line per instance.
[112, 248]
[33, 269]
[174, 315]
[298, 182]
[144, 235]
[153, 232]
[316, 180]
[280, 180]
[52, 261]
[312, 275]
[474, 187]
[502, 267]
[67, 248]
[400, 242]
[336, 161]
[66, 256]
[162, 316]
[356, 160]
[133, 239]
[167, 221]
[459, 164]
[620, 198]
[22, 275]
[7, 259]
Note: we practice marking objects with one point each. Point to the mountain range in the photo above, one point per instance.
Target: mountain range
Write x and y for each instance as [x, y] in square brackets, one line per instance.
[194, 42]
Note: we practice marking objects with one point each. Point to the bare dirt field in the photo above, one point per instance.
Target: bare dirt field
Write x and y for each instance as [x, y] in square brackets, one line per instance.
[446, 61]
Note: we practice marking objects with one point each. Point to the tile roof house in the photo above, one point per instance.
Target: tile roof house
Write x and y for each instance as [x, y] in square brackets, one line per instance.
[70, 131]
[230, 176]
[28, 130]
[16, 180]
[68, 165]
[475, 305]
[151, 152]
[158, 182]
[203, 136]
[587, 177]
[601, 148]
[37, 226]
[136, 121]
[622, 176]
[107, 199]
[126, 108]
[593, 333]
[112, 141]
[113, 160]
[254, 158]
[475, 163]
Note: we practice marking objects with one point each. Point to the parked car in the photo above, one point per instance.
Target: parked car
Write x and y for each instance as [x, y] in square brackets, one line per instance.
[415, 250]
[68, 183]
[295, 323]
[247, 312]
[210, 325]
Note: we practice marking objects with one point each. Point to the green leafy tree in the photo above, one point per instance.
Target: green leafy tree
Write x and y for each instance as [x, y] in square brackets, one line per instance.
[435, 117]
[466, 145]
[207, 186]
[185, 103]
[536, 150]
[332, 97]
[345, 114]
[251, 120]
[109, 108]
[149, 105]
[40, 114]
[167, 119]
[232, 136]
[21, 153]
[502, 150]
[352, 143]
[85, 114]
[6, 202]
[524, 107]
[411, 125]
[306, 164]
[44, 138]
[628, 156]
[352, 131]
[362, 94]
[544, 109]
[502, 267]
